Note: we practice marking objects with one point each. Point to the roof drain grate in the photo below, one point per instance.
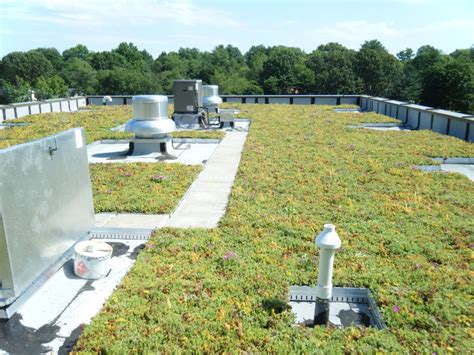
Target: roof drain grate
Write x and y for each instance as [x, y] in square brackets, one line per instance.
[348, 307]
[121, 233]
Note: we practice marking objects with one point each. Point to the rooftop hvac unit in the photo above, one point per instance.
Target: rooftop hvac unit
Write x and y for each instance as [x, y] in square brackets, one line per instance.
[151, 125]
[187, 96]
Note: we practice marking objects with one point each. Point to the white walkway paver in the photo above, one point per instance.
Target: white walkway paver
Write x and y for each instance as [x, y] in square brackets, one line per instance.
[130, 220]
[205, 202]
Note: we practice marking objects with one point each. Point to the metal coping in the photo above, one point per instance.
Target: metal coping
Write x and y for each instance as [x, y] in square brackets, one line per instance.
[341, 294]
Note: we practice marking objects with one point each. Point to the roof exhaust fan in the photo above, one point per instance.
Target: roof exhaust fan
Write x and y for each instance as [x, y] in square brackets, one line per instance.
[151, 126]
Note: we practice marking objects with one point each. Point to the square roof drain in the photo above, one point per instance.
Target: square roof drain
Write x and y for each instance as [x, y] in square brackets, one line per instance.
[348, 307]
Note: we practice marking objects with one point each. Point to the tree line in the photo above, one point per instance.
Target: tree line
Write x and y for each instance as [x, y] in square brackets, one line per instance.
[427, 76]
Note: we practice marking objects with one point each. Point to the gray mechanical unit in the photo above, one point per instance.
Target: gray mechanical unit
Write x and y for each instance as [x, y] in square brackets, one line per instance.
[188, 104]
[188, 96]
[151, 126]
[45, 209]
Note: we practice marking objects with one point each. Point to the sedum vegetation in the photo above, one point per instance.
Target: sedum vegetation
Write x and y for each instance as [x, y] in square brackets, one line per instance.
[428, 76]
[152, 188]
[96, 120]
[407, 235]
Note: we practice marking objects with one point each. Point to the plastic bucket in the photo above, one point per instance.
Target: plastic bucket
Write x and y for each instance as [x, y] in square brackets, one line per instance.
[92, 259]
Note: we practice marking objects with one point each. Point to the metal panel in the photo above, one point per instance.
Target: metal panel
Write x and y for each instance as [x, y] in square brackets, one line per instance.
[22, 111]
[63, 106]
[35, 109]
[45, 208]
[45, 107]
[56, 105]
[326, 101]
[425, 120]
[440, 124]
[348, 100]
[187, 95]
[458, 128]
[302, 101]
[278, 100]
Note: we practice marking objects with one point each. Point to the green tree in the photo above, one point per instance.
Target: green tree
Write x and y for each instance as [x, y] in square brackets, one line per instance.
[332, 66]
[449, 84]
[405, 55]
[426, 57]
[10, 93]
[409, 88]
[54, 57]
[121, 81]
[107, 60]
[379, 70]
[79, 51]
[134, 57]
[282, 69]
[80, 76]
[50, 88]
[255, 58]
[19, 67]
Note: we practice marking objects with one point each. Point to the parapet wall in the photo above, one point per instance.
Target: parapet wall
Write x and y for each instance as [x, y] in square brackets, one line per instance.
[414, 116]
[422, 117]
[22, 109]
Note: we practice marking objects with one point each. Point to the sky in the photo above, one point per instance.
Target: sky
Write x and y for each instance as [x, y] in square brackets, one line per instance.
[162, 25]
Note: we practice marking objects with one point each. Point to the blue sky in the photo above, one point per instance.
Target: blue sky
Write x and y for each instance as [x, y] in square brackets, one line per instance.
[157, 25]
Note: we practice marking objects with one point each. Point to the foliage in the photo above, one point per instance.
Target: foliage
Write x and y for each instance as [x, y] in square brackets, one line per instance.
[79, 51]
[329, 69]
[79, 75]
[281, 71]
[11, 93]
[406, 235]
[120, 81]
[50, 88]
[120, 187]
[334, 70]
[19, 67]
[378, 69]
[450, 83]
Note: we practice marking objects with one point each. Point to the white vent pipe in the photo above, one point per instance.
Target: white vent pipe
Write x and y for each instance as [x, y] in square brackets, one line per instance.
[328, 241]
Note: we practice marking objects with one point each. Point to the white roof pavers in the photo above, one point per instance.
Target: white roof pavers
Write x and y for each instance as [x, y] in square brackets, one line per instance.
[131, 220]
[205, 202]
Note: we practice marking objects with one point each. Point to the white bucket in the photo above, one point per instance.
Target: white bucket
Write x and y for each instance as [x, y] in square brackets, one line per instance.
[92, 259]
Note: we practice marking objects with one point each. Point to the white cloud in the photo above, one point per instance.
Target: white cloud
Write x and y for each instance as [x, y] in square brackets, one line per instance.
[122, 12]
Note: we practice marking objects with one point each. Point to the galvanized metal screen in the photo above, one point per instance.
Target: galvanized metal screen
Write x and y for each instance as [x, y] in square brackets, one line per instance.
[45, 207]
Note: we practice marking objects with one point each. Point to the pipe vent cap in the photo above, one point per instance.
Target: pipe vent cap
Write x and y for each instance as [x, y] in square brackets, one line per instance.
[328, 238]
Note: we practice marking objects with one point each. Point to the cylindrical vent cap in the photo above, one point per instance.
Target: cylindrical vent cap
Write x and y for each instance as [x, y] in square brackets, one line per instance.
[150, 107]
